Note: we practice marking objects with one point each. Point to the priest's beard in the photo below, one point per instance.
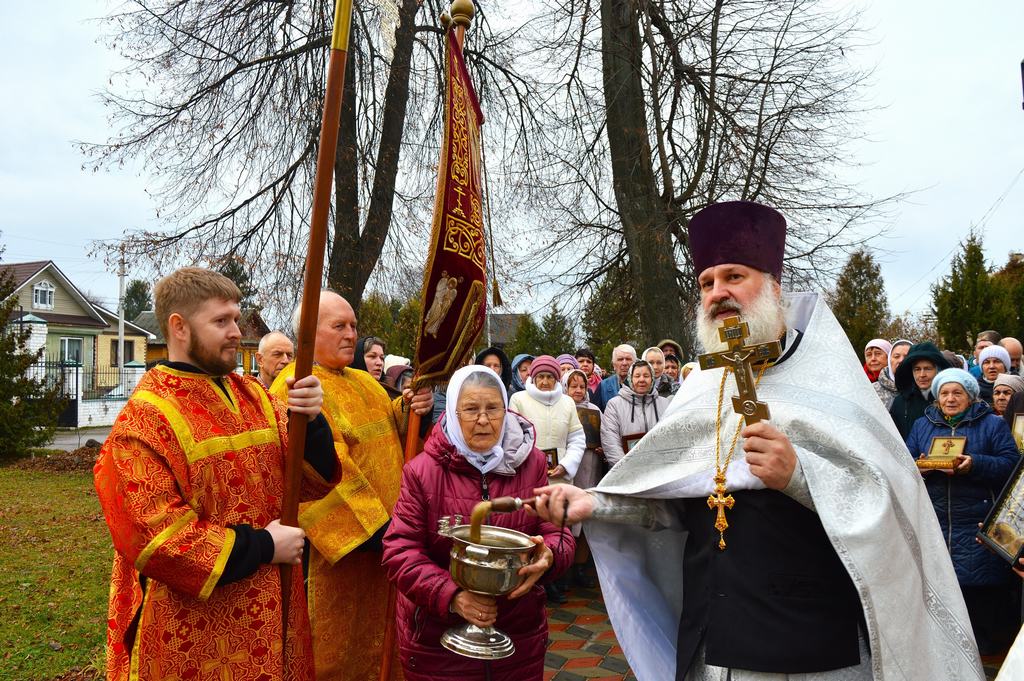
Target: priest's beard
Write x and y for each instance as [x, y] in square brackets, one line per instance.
[765, 316]
[209, 360]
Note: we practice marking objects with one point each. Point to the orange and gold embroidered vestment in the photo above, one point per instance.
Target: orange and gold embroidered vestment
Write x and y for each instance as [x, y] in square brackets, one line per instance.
[348, 589]
[183, 462]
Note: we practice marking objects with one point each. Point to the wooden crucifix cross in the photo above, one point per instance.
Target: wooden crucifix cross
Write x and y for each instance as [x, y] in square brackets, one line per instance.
[947, 446]
[741, 358]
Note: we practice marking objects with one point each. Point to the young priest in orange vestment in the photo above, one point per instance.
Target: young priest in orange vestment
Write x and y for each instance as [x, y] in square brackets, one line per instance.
[190, 481]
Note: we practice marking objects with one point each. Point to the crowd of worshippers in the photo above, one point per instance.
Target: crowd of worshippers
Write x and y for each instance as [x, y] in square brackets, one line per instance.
[932, 393]
[191, 481]
[553, 391]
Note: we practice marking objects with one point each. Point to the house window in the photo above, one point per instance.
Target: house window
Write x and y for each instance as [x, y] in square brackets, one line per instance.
[239, 360]
[42, 295]
[71, 350]
[253, 367]
[129, 351]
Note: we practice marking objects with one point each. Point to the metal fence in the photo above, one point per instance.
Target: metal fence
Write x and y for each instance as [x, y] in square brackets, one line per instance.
[66, 378]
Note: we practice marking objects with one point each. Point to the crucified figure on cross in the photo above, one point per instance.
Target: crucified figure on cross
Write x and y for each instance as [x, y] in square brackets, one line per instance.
[740, 359]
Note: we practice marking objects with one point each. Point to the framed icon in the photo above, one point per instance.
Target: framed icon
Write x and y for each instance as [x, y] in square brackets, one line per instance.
[552, 456]
[1003, 529]
[591, 420]
[944, 452]
[629, 441]
[1018, 431]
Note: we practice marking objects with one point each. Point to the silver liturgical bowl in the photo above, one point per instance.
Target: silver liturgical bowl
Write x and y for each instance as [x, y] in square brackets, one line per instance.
[490, 568]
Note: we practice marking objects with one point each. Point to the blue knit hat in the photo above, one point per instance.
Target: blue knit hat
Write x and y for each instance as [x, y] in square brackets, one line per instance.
[968, 382]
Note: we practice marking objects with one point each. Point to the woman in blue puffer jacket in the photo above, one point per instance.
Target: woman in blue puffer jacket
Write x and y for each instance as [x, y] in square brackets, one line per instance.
[964, 496]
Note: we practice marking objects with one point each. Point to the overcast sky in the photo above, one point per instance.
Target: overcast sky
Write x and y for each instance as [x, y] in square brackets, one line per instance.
[950, 124]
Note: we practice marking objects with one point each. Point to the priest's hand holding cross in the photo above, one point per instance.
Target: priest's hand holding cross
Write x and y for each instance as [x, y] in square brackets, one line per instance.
[769, 454]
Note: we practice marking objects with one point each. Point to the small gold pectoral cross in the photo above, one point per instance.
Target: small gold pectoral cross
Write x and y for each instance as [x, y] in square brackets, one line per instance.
[947, 446]
[741, 359]
[722, 501]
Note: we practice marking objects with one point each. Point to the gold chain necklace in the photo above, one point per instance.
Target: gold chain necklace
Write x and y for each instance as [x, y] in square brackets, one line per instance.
[721, 500]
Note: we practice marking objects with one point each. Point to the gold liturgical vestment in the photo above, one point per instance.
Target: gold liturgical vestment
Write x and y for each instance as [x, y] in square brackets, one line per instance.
[185, 461]
[348, 589]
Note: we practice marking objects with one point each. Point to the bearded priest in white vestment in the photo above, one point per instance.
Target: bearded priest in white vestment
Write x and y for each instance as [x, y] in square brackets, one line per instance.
[833, 566]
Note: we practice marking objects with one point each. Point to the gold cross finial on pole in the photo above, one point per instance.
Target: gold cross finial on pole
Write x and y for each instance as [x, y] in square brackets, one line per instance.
[741, 358]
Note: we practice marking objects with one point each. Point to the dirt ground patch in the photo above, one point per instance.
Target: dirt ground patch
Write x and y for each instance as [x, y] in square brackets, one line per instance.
[55, 461]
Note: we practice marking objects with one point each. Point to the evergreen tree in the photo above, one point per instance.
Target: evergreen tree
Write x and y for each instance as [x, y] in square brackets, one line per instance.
[407, 327]
[395, 321]
[1009, 283]
[234, 269]
[558, 335]
[376, 319]
[136, 299]
[28, 405]
[529, 338]
[964, 302]
[859, 301]
[610, 317]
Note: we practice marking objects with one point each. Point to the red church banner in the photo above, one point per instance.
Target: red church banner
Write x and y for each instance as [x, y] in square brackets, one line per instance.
[454, 283]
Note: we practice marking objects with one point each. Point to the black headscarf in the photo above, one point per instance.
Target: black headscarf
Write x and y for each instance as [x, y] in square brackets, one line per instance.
[359, 361]
[506, 366]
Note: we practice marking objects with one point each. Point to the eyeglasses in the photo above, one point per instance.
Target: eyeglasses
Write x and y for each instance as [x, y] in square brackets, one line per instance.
[473, 414]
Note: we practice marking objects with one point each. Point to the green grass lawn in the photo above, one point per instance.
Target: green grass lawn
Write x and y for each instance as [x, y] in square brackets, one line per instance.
[54, 574]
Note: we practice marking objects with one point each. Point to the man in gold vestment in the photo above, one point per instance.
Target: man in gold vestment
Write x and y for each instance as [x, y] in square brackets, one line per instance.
[190, 481]
[347, 586]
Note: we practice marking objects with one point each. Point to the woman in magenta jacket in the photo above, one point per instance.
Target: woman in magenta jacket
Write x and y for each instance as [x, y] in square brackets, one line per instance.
[478, 450]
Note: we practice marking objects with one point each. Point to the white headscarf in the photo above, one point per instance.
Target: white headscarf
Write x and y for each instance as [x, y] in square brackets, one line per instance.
[482, 461]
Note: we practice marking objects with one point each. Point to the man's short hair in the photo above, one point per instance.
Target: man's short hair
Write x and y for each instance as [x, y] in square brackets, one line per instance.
[261, 348]
[184, 290]
[297, 312]
[625, 348]
[586, 352]
[991, 336]
[671, 359]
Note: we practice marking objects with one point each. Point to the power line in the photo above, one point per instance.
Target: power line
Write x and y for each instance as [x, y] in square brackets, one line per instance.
[981, 224]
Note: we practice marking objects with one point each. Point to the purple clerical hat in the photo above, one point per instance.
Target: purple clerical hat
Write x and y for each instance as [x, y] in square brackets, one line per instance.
[739, 232]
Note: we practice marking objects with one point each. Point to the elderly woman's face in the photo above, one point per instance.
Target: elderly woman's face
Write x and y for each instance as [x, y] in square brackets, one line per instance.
[545, 380]
[493, 362]
[481, 414]
[896, 357]
[953, 399]
[991, 368]
[672, 369]
[641, 380]
[576, 388]
[1001, 395]
[875, 359]
[524, 369]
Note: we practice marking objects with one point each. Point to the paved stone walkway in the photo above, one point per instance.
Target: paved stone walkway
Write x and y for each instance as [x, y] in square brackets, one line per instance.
[581, 644]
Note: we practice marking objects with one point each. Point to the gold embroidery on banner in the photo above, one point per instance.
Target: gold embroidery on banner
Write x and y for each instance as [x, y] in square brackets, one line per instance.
[463, 238]
[463, 235]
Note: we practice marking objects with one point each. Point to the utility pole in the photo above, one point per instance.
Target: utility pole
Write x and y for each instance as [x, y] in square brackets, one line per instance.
[120, 320]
